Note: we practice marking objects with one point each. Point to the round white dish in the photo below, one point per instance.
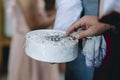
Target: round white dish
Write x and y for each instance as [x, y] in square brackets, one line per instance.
[39, 46]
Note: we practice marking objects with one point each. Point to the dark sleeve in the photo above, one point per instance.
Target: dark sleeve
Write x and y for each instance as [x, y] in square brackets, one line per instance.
[112, 18]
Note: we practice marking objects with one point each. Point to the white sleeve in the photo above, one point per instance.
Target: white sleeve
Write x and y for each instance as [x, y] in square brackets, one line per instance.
[68, 11]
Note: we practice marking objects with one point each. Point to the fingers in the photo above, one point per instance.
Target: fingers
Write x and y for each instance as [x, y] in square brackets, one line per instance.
[74, 27]
[85, 23]
[86, 33]
[82, 34]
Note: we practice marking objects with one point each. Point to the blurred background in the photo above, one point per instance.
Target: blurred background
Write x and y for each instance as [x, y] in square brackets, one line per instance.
[5, 38]
[6, 34]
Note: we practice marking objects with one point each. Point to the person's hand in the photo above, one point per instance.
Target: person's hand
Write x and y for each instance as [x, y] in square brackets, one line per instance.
[90, 26]
[36, 15]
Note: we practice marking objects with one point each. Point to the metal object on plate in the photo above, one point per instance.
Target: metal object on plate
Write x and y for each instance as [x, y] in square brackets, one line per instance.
[58, 37]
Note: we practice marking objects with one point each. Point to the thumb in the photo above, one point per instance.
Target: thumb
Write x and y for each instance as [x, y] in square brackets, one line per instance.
[84, 34]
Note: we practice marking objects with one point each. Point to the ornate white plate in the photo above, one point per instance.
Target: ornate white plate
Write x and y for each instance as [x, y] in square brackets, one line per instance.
[39, 46]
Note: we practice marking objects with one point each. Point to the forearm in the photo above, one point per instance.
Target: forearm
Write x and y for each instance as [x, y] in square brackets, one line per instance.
[31, 14]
